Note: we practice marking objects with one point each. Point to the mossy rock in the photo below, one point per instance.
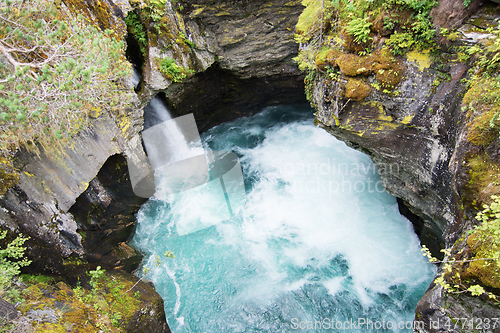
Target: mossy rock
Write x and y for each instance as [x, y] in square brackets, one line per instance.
[388, 70]
[480, 132]
[354, 65]
[482, 101]
[378, 24]
[117, 304]
[486, 271]
[102, 13]
[350, 45]
[327, 57]
[8, 175]
[484, 175]
[310, 18]
[356, 90]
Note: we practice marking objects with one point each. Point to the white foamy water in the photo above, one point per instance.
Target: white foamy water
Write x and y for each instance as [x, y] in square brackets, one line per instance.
[318, 242]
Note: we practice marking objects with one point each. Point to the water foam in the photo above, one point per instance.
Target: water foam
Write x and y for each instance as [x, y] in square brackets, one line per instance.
[316, 239]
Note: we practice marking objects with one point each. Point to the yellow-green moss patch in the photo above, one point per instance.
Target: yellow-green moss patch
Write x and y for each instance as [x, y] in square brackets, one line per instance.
[356, 90]
[107, 307]
[421, 58]
[407, 119]
[327, 57]
[8, 175]
[484, 242]
[480, 131]
[353, 65]
[482, 101]
[484, 177]
[310, 17]
[388, 69]
[484, 246]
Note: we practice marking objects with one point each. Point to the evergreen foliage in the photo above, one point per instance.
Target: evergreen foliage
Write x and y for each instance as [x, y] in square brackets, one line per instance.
[55, 69]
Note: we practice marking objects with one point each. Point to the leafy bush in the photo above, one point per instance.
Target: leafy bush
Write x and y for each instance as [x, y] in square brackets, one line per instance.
[485, 243]
[156, 9]
[467, 3]
[485, 266]
[399, 42]
[360, 29]
[11, 259]
[55, 70]
[137, 29]
[172, 71]
[419, 6]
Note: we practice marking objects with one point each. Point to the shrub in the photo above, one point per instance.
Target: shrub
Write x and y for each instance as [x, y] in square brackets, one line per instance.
[360, 29]
[11, 259]
[135, 26]
[55, 70]
[172, 71]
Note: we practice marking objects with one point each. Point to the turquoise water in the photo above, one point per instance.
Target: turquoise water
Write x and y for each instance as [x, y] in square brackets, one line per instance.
[318, 247]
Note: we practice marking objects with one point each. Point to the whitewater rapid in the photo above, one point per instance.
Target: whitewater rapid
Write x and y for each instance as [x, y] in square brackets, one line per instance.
[318, 241]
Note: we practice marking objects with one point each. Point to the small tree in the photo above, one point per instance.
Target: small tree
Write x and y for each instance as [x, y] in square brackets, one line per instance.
[55, 70]
[11, 260]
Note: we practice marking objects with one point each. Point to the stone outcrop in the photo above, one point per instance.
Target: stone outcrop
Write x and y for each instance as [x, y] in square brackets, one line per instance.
[239, 54]
[424, 140]
[410, 137]
[54, 306]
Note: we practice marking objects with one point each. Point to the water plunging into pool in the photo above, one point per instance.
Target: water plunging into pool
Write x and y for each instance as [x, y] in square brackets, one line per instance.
[317, 244]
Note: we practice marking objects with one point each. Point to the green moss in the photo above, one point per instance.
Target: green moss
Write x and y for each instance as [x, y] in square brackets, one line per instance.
[98, 12]
[309, 19]
[484, 242]
[358, 27]
[353, 65]
[9, 176]
[172, 71]
[484, 178]
[108, 307]
[482, 101]
[327, 57]
[480, 132]
[356, 90]
[34, 279]
[484, 246]
[388, 69]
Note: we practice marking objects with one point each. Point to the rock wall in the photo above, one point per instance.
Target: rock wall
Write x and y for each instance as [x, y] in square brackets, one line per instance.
[241, 52]
[419, 137]
[410, 144]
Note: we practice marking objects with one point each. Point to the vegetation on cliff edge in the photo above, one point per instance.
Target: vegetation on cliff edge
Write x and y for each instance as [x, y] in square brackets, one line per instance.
[56, 70]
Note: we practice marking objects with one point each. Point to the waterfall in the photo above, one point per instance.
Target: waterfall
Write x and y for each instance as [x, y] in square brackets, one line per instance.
[136, 77]
[181, 164]
[156, 112]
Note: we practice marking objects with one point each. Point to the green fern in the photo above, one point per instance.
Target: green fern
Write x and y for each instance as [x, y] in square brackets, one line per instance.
[360, 29]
